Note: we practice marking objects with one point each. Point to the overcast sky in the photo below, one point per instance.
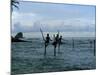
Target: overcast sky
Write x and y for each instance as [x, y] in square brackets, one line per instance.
[52, 17]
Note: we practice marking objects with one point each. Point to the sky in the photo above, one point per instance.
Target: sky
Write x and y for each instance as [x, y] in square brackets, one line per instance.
[31, 16]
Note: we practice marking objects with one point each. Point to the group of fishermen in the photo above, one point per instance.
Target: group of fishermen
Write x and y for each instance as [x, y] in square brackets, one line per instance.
[57, 40]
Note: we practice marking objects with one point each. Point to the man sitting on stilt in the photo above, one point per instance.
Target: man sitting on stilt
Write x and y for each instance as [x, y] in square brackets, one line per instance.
[47, 41]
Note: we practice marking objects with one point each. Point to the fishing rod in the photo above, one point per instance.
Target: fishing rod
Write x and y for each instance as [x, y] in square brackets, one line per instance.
[44, 40]
[58, 32]
[42, 34]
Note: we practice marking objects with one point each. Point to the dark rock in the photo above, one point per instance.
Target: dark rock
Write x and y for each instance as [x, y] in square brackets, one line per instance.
[19, 35]
[12, 38]
[18, 38]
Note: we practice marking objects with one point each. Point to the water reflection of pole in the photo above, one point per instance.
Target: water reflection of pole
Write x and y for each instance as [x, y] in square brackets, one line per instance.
[72, 43]
[91, 43]
[94, 47]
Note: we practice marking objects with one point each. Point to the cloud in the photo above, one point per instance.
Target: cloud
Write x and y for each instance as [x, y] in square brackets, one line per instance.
[26, 20]
[29, 22]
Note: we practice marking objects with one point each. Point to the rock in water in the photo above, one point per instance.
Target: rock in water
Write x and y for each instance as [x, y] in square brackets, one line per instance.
[12, 39]
[18, 38]
[19, 35]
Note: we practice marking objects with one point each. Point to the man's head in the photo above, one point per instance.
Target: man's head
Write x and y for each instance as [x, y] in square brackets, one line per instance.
[61, 36]
[57, 34]
[47, 34]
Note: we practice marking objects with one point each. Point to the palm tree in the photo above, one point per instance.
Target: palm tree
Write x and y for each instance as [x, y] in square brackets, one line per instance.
[14, 3]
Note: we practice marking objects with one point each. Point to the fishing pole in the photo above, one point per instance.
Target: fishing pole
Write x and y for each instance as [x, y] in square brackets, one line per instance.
[42, 34]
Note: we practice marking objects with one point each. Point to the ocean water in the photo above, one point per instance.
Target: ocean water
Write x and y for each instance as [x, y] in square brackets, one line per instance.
[64, 34]
[28, 57]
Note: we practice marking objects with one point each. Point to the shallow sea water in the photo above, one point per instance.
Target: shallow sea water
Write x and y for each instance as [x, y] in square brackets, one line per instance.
[28, 57]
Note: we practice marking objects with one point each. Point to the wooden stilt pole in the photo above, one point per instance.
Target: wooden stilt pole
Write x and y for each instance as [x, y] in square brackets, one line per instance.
[58, 48]
[54, 51]
[45, 51]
